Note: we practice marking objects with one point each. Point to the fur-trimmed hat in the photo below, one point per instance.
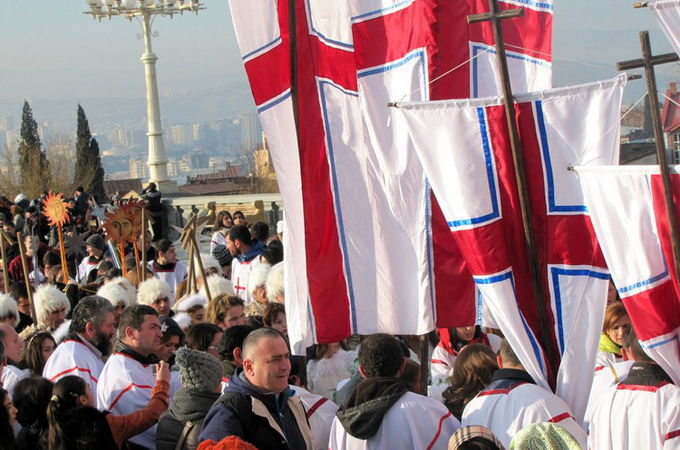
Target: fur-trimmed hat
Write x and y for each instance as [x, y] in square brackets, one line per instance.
[258, 277]
[275, 286]
[128, 287]
[114, 293]
[152, 289]
[183, 320]
[48, 299]
[210, 263]
[8, 307]
[198, 371]
[191, 301]
[220, 285]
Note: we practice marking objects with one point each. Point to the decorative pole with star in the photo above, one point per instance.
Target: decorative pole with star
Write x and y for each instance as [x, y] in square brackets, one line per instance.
[24, 266]
[188, 240]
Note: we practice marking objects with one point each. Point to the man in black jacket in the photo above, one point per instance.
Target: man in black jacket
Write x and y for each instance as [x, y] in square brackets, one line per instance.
[258, 405]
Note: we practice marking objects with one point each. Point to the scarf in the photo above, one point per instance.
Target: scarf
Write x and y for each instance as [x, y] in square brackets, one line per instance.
[191, 405]
[123, 348]
[608, 346]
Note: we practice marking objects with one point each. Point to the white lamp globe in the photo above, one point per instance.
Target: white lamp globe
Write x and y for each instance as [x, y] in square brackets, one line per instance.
[107, 2]
[128, 4]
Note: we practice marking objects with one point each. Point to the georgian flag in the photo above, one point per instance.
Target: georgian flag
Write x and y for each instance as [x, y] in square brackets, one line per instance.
[628, 213]
[367, 247]
[465, 150]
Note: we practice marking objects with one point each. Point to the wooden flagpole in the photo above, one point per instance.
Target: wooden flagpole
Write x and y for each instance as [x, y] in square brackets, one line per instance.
[294, 97]
[495, 17]
[144, 225]
[191, 288]
[24, 266]
[5, 276]
[64, 265]
[199, 262]
[648, 61]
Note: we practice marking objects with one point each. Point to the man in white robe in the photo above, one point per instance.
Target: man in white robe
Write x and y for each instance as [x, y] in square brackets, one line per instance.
[513, 401]
[95, 247]
[128, 377]
[382, 413]
[166, 267]
[88, 341]
[246, 253]
[642, 411]
[11, 374]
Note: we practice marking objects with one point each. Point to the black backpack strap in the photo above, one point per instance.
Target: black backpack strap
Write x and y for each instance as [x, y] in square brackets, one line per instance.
[185, 432]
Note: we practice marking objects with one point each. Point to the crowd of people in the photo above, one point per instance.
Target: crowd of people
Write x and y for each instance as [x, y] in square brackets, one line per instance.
[142, 360]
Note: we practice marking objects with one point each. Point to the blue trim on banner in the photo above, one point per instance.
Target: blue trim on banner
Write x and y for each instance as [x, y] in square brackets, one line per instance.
[382, 10]
[336, 191]
[321, 35]
[273, 43]
[273, 103]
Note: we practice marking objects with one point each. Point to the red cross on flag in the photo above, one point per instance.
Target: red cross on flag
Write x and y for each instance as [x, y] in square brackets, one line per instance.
[465, 149]
[629, 216]
[367, 248]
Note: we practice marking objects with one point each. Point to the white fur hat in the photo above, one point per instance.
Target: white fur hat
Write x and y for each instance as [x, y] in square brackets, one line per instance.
[258, 277]
[191, 301]
[48, 299]
[183, 320]
[210, 263]
[153, 288]
[8, 307]
[220, 285]
[129, 289]
[275, 285]
[60, 333]
[114, 293]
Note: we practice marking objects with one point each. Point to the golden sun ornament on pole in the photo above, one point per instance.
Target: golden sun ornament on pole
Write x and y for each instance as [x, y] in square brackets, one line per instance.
[55, 209]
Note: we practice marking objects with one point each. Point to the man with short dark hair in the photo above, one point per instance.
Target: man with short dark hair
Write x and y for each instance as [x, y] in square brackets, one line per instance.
[128, 378]
[382, 413]
[258, 405]
[642, 411]
[95, 247]
[166, 267]
[89, 341]
[245, 251]
[513, 401]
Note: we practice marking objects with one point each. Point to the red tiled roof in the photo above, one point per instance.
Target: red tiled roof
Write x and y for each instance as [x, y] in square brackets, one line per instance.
[122, 187]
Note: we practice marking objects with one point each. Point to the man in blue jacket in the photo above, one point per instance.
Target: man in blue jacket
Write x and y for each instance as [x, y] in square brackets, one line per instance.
[258, 406]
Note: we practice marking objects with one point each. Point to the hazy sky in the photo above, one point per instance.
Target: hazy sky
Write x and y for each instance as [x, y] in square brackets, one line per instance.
[50, 50]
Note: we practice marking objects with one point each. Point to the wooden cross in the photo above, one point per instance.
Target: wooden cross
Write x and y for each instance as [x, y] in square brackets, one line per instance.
[496, 17]
[189, 241]
[648, 61]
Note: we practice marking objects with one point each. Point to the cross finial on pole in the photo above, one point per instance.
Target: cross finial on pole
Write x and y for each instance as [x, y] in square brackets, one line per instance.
[648, 61]
[496, 17]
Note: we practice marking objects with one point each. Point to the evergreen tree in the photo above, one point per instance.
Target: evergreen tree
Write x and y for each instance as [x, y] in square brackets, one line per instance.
[83, 138]
[95, 163]
[33, 163]
[88, 172]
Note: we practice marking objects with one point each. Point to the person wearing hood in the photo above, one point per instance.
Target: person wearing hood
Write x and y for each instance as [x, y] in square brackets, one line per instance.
[200, 375]
[258, 406]
[245, 251]
[127, 380]
[382, 413]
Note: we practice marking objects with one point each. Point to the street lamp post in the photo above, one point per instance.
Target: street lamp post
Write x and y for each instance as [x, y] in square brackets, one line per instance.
[146, 11]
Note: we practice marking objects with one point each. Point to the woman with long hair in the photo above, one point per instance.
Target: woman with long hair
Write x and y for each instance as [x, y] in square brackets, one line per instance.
[31, 397]
[38, 349]
[204, 337]
[616, 321]
[8, 414]
[472, 372]
[75, 424]
[218, 242]
[452, 341]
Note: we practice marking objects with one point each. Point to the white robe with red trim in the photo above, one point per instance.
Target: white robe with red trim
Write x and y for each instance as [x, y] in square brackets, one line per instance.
[173, 277]
[125, 386]
[507, 411]
[320, 415]
[413, 422]
[442, 359]
[636, 417]
[74, 358]
[605, 378]
[239, 277]
[11, 375]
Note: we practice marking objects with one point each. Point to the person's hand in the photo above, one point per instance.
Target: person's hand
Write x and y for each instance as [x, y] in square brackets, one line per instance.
[163, 372]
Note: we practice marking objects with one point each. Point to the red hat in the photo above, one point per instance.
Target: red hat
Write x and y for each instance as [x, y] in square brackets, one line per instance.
[228, 443]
